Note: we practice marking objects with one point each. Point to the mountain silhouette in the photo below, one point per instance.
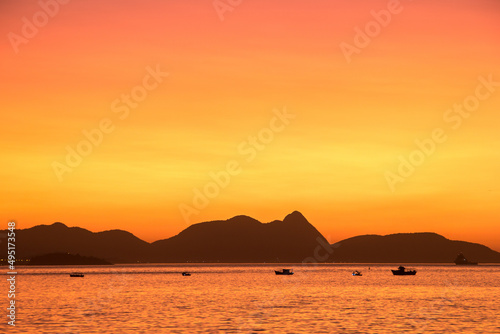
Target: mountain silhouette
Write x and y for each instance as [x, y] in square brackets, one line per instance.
[114, 246]
[66, 259]
[409, 248]
[243, 239]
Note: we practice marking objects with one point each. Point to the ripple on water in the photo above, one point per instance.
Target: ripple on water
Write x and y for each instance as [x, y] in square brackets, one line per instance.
[243, 299]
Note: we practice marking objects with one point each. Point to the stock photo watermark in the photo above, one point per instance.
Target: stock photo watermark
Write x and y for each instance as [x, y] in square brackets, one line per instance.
[31, 26]
[373, 28]
[248, 150]
[223, 6]
[122, 107]
[454, 118]
[11, 272]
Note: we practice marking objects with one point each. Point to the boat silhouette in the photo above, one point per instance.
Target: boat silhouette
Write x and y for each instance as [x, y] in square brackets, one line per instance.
[76, 275]
[402, 271]
[460, 260]
[356, 273]
[186, 274]
[284, 272]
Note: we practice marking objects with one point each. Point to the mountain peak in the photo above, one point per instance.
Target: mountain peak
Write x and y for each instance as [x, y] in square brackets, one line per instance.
[241, 239]
[243, 219]
[295, 217]
[417, 235]
[59, 225]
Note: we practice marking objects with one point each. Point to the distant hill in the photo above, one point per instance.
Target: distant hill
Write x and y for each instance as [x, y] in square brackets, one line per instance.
[245, 240]
[66, 259]
[115, 246]
[409, 248]
[242, 239]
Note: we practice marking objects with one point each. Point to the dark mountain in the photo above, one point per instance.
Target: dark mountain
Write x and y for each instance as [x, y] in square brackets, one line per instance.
[242, 239]
[246, 240]
[66, 259]
[115, 246]
[409, 248]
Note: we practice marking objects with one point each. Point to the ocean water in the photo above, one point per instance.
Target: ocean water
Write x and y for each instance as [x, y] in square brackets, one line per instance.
[252, 299]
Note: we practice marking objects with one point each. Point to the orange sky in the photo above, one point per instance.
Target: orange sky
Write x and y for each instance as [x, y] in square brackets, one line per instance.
[353, 119]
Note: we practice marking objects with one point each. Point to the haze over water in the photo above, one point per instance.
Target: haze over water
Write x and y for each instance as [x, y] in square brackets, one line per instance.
[252, 299]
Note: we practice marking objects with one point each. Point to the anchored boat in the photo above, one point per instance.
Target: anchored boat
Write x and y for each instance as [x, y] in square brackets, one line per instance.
[284, 272]
[403, 271]
[76, 275]
[462, 261]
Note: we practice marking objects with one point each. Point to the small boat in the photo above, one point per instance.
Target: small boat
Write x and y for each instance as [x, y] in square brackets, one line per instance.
[462, 261]
[356, 273]
[403, 271]
[284, 272]
[76, 275]
[186, 274]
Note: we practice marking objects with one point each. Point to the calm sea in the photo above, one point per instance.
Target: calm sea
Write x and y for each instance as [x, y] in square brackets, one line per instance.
[252, 299]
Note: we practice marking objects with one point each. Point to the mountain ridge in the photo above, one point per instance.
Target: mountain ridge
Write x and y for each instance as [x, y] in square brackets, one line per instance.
[416, 247]
[245, 239]
[241, 239]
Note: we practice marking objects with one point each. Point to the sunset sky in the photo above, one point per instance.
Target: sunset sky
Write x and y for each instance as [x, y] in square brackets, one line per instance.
[352, 117]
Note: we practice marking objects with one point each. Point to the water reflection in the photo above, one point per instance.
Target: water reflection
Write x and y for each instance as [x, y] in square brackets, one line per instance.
[249, 298]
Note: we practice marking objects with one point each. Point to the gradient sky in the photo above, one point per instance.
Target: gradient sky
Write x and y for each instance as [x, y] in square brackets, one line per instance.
[353, 120]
